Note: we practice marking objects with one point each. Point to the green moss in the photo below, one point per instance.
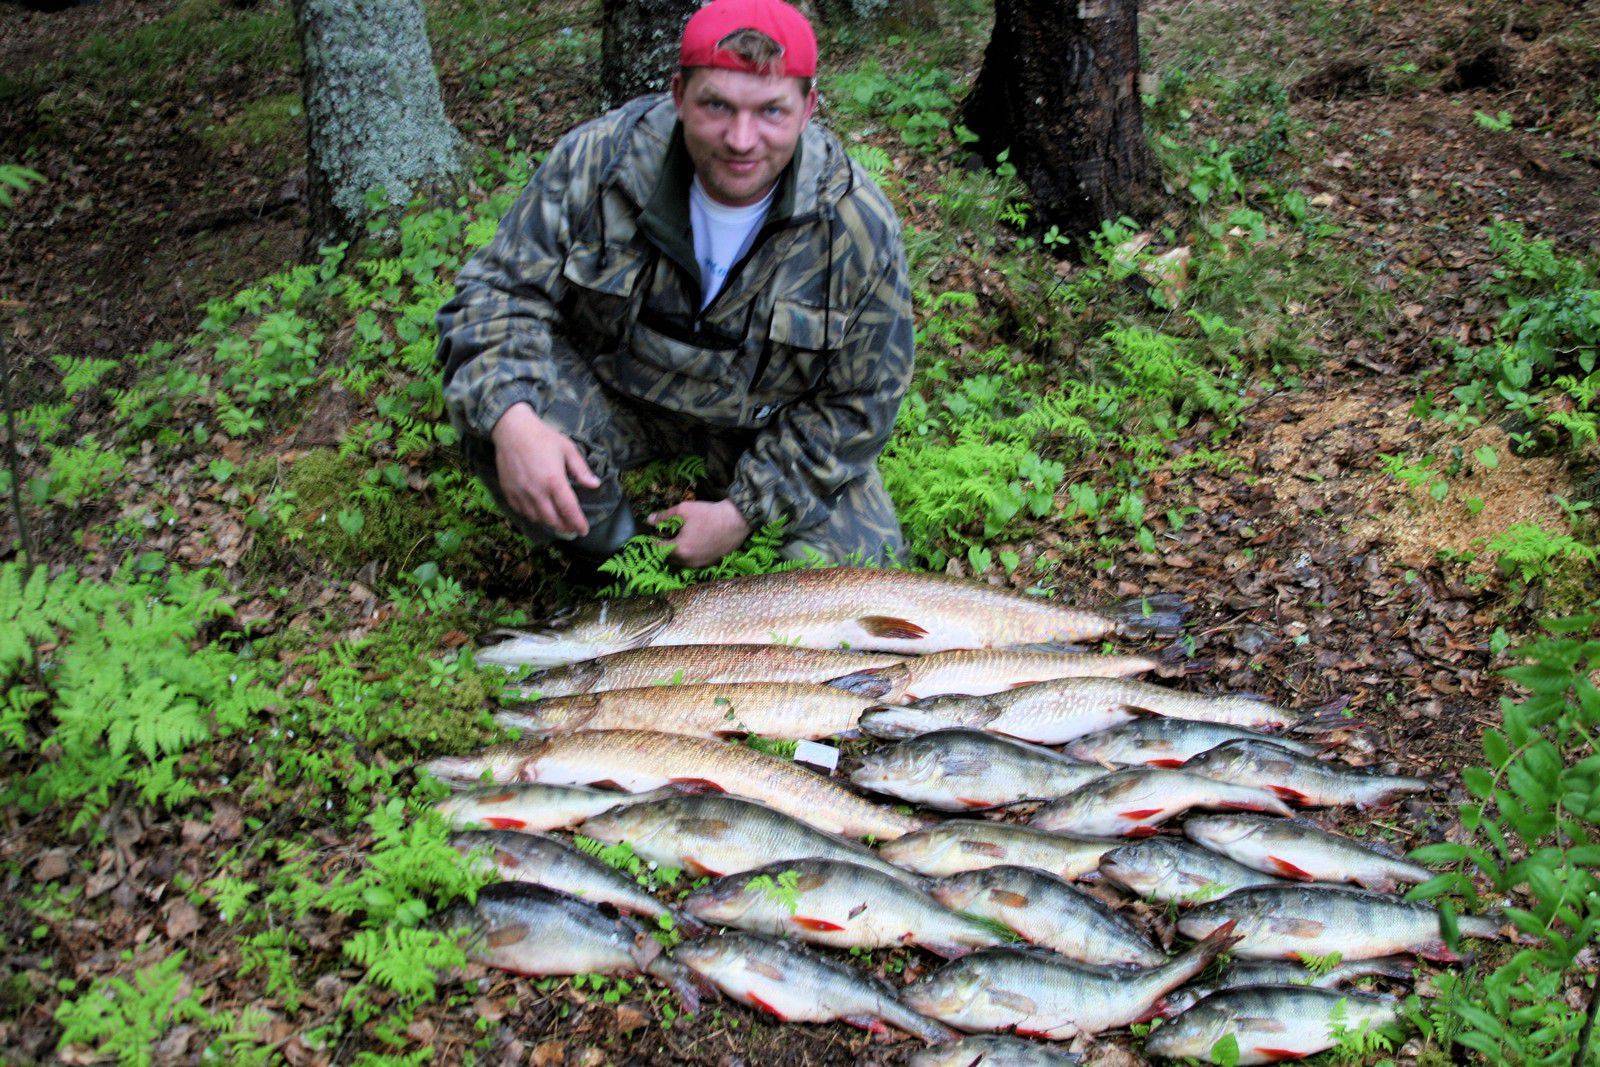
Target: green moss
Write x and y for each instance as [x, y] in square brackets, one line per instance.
[271, 126]
[330, 490]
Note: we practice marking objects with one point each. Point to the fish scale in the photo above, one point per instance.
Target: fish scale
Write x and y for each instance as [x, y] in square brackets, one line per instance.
[1294, 849]
[1133, 802]
[966, 770]
[1302, 779]
[703, 665]
[1270, 1024]
[980, 672]
[971, 844]
[790, 710]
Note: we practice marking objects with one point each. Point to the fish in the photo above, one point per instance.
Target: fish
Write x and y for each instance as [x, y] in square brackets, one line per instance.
[1294, 849]
[1161, 741]
[1044, 910]
[533, 807]
[546, 861]
[869, 673]
[533, 931]
[965, 770]
[794, 984]
[862, 609]
[838, 904]
[1170, 870]
[1283, 972]
[639, 760]
[1270, 1024]
[981, 672]
[1041, 994]
[971, 844]
[991, 1051]
[1132, 802]
[711, 835]
[790, 710]
[1302, 779]
[1306, 922]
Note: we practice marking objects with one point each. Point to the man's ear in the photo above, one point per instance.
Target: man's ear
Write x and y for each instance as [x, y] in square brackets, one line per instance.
[811, 103]
[678, 86]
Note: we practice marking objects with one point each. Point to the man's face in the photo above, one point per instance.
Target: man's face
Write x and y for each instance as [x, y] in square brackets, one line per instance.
[740, 128]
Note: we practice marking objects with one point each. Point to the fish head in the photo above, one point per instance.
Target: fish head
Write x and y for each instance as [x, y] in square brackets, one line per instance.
[1140, 867]
[570, 680]
[708, 954]
[925, 716]
[578, 633]
[1191, 1035]
[501, 763]
[633, 823]
[1216, 831]
[556, 715]
[959, 890]
[948, 992]
[725, 900]
[896, 764]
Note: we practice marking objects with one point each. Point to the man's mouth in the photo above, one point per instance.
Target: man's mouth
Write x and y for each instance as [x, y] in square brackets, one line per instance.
[741, 166]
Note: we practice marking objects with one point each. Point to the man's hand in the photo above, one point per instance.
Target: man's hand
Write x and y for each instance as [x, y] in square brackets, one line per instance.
[537, 465]
[710, 531]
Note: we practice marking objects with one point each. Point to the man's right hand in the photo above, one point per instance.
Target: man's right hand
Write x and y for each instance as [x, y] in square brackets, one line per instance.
[538, 465]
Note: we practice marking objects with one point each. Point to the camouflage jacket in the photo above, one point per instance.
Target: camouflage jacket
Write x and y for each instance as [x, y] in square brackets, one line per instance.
[809, 343]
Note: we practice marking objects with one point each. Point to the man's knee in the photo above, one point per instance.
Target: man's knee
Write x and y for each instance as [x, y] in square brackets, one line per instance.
[861, 528]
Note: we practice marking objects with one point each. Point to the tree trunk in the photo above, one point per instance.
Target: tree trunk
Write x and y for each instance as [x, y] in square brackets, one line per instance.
[639, 45]
[374, 117]
[1059, 88]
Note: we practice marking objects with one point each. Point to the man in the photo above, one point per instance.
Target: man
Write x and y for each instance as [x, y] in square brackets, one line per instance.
[707, 273]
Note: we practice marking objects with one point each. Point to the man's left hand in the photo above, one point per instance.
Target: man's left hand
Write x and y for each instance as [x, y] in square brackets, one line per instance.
[710, 531]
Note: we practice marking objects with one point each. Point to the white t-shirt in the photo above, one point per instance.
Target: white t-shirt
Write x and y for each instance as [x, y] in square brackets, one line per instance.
[721, 235]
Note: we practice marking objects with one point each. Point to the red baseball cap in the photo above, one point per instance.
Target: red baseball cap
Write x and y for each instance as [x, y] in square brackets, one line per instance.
[709, 26]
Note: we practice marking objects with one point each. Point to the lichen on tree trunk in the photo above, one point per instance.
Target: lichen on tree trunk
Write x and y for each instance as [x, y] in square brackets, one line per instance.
[639, 45]
[374, 115]
[1059, 89]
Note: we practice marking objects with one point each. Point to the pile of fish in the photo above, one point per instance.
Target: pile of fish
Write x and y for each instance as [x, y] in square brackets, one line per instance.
[1029, 795]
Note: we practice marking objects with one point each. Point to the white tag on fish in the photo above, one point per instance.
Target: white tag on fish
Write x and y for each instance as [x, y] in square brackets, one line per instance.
[824, 756]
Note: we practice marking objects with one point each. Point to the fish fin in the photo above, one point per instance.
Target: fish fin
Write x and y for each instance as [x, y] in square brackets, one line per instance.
[1141, 831]
[1009, 897]
[1394, 793]
[875, 683]
[1165, 761]
[1279, 1055]
[684, 983]
[870, 1023]
[756, 1001]
[805, 883]
[1290, 870]
[707, 826]
[1023, 683]
[1439, 952]
[765, 969]
[946, 951]
[1059, 647]
[703, 785]
[607, 783]
[500, 822]
[1293, 796]
[698, 869]
[1159, 1010]
[1014, 1001]
[1139, 813]
[856, 911]
[1264, 1023]
[1325, 718]
[983, 848]
[1158, 613]
[1485, 926]
[509, 934]
[1292, 927]
[973, 803]
[966, 765]
[1136, 710]
[1175, 661]
[806, 922]
[503, 858]
[890, 627]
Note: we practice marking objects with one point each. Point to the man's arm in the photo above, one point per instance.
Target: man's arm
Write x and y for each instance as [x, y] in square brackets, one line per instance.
[822, 442]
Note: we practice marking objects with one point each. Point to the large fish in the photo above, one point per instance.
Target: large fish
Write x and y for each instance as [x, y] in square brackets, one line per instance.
[791, 710]
[1301, 779]
[713, 835]
[991, 1051]
[1134, 801]
[1270, 1024]
[1284, 972]
[982, 671]
[1305, 922]
[1046, 911]
[638, 760]
[541, 860]
[796, 985]
[971, 844]
[964, 770]
[1170, 870]
[709, 664]
[841, 905]
[1162, 741]
[529, 930]
[1294, 849]
[534, 807]
[1041, 994]
[856, 608]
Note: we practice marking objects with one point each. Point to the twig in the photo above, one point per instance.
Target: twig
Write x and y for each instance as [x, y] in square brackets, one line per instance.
[13, 459]
[1588, 1024]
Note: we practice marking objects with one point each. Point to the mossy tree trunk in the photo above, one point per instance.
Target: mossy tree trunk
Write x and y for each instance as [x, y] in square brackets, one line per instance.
[1059, 88]
[639, 45]
[374, 116]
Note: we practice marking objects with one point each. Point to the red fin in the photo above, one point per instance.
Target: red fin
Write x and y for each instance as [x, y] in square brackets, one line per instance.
[1141, 831]
[1438, 952]
[1289, 870]
[1158, 1010]
[806, 922]
[606, 783]
[702, 785]
[1019, 685]
[1293, 796]
[698, 869]
[1165, 761]
[1009, 897]
[891, 627]
[1020, 1032]
[1278, 1055]
[768, 1008]
[1140, 813]
[499, 822]
[974, 802]
[1245, 805]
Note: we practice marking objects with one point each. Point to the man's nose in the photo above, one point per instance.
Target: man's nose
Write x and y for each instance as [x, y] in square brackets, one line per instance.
[742, 132]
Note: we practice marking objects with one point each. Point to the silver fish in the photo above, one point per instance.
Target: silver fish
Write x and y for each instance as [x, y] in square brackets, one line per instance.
[1294, 849]
[1283, 972]
[841, 905]
[1304, 922]
[1048, 912]
[535, 807]
[1170, 870]
[1301, 779]
[789, 710]
[529, 930]
[962, 770]
[796, 985]
[863, 672]
[1162, 741]
[1040, 994]
[989, 1051]
[1134, 801]
[1270, 1024]
[981, 671]
[971, 844]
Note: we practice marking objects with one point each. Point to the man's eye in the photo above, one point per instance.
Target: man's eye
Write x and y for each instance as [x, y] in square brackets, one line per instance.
[716, 105]
[774, 111]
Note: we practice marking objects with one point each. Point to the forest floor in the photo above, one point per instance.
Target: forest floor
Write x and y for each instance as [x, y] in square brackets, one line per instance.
[1330, 522]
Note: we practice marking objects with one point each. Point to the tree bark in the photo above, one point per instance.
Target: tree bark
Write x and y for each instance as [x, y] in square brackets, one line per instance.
[1059, 88]
[639, 45]
[374, 116]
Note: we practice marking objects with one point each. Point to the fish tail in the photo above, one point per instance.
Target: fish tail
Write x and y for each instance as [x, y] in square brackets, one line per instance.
[1325, 718]
[1485, 926]
[884, 684]
[681, 980]
[1199, 957]
[931, 1032]
[1158, 613]
[1175, 661]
